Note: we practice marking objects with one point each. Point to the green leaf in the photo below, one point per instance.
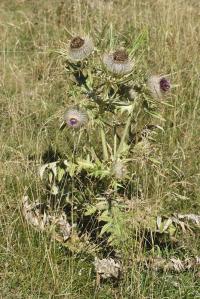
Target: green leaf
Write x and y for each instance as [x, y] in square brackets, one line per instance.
[166, 224]
[102, 205]
[111, 240]
[54, 190]
[125, 108]
[89, 80]
[154, 160]
[90, 210]
[62, 126]
[172, 230]
[85, 164]
[155, 115]
[60, 173]
[105, 217]
[101, 173]
[106, 228]
[140, 40]
[104, 145]
[50, 177]
[72, 169]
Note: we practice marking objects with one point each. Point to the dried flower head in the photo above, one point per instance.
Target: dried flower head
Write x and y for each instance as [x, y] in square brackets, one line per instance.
[80, 48]
[143, 149]
[75, 118]
[159, 85]
[119, 169]
[118, 62]
[132, 94]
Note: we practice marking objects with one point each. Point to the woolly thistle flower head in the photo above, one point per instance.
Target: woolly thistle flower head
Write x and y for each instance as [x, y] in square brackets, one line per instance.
[80, 48]
[118, 62]
[119, 169]
[159, 85]
[75, 118]
[132, 93]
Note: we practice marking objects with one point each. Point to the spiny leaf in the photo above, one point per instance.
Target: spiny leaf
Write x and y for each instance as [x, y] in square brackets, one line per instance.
[104, 145]
[106, 228]
[60, 173]
[105, 217]
[90, 210]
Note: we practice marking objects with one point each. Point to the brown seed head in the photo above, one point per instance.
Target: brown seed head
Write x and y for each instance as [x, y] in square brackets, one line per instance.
[77, 42]
[120, 56]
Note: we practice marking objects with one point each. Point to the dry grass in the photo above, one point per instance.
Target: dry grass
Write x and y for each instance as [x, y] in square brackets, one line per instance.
[33, 95]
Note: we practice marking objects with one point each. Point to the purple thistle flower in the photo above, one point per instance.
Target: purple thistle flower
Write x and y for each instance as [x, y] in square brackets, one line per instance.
[75, 118]
[164, 84]
[159, 86]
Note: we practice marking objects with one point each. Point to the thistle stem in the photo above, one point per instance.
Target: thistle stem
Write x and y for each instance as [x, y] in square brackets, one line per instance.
[124, 136]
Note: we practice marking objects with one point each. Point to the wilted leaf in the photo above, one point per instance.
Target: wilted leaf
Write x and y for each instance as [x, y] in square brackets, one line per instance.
[52, 166]
[158, 222]
[42, 170]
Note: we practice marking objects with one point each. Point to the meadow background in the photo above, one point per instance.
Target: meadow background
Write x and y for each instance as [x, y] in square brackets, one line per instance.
[33, 96]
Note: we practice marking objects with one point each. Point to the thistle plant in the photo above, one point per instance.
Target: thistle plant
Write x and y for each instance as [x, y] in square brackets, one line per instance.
[96, 184]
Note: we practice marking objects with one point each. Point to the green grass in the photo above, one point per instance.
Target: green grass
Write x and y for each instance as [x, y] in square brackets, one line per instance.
[33, 96]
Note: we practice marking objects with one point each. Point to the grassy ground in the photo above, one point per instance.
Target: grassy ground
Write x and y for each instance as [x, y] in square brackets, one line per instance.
[33, 86]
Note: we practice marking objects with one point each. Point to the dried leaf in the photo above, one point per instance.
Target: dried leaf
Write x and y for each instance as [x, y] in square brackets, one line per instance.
[177, 264]
[64, 226]
[158, 222]
[174, 264]
[190, 217]
[107, 267]
[34, 215]
[42, 170]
